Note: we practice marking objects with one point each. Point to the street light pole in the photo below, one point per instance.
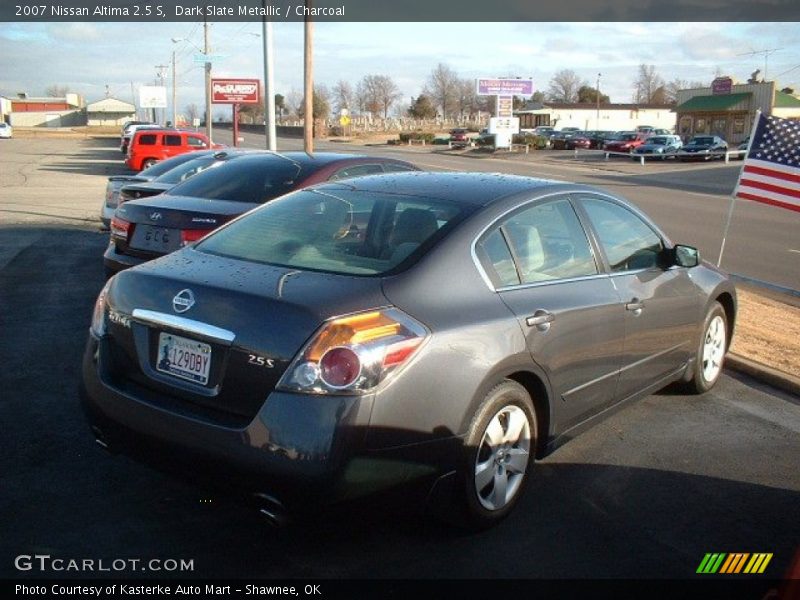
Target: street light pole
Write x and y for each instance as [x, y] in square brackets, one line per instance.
[269, 85]
[206, 51]
[308, 84]
[174, 91]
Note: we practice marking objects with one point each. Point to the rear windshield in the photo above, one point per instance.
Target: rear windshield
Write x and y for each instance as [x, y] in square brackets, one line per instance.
[163, 166]
[342, 231]
[245, 179]
[187, 169]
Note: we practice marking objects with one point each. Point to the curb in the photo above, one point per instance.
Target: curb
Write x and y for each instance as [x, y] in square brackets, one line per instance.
[777, 379]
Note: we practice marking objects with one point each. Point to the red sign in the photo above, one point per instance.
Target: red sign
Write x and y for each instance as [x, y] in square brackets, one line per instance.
[235, 91]
[721, 85]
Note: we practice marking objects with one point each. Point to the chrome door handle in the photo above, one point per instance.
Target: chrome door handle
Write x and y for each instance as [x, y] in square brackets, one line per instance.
[541, 319]
[635, 305]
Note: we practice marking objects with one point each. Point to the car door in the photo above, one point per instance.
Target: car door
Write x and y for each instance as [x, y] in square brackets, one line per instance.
[659, 305]
[546, 272]
[172, 145]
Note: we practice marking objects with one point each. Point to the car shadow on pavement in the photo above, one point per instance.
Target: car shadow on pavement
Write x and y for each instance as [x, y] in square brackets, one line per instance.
[93, 156]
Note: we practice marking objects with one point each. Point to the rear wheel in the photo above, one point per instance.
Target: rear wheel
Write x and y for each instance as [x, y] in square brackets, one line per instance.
[711, 351]
[498, 457]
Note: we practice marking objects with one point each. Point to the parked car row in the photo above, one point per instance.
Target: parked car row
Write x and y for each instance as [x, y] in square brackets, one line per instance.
[305, 327]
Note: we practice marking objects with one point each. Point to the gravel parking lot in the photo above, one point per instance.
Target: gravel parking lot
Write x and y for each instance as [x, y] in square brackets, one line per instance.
[644, 494]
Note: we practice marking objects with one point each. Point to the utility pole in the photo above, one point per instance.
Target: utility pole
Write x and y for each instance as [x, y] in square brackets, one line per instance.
[269, 83]
[767, 53]
[174, 91]
[308, 84]
[206, 51]
[598, 100]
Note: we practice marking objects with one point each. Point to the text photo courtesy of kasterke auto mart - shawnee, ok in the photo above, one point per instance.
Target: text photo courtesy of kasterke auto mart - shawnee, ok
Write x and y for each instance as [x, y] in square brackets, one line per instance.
[344, 299]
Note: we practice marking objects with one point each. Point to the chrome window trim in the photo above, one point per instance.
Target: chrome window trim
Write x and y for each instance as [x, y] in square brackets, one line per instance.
[482, 272]
[190, 326]
[522, 286]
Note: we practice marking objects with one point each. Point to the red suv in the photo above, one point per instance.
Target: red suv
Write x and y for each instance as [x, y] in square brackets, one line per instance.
[149, 146]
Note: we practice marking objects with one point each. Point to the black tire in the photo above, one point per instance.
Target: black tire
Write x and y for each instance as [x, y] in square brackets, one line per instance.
[704, 377]
[506, 402]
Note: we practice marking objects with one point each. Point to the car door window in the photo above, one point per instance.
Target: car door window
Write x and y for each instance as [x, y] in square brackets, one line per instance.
[628, 242]
[172, 140]
[497, 260]
[546, 242]
[357, 171]
[195, 141]
[397, 168]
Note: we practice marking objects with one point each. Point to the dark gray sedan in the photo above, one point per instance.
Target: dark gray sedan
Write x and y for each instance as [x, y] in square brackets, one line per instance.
[442, 328]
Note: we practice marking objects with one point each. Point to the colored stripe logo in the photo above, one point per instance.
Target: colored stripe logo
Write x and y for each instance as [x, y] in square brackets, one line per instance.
[734, 563]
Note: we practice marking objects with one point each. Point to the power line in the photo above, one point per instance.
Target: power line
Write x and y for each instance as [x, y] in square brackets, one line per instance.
[766, 52]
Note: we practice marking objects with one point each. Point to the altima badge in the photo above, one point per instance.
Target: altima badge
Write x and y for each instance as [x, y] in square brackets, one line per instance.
[183, 301]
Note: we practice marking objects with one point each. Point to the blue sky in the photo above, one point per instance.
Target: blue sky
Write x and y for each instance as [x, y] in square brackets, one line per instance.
[88, 56]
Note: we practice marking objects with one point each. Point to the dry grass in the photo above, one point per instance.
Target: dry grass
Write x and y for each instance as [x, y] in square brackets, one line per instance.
[768, 331]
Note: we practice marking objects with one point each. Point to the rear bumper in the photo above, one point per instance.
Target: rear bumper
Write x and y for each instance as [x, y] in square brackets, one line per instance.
[300, 449]
[115, 261]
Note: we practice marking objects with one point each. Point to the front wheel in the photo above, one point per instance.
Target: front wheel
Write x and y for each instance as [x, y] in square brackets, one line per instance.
[498, 457]
[711, 351]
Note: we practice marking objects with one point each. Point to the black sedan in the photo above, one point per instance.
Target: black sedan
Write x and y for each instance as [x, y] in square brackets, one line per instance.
[168, 180]
[703, 147]
[441, 328]
[150, 227]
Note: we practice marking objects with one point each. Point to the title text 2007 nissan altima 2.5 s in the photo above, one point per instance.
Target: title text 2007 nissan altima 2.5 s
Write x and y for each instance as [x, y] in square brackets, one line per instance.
[443, 327]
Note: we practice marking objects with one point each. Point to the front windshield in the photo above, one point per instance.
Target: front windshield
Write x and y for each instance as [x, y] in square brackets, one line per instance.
[337, 231]
[702, 140]
[657, 141]
[628, 137]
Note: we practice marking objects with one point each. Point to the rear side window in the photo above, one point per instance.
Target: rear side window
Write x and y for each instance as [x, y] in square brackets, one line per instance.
[340, 231]
[357, 171]
[172, 140]
[545, 241]
[195, 141]
[628, 242]
[148, 139]
[397, 168]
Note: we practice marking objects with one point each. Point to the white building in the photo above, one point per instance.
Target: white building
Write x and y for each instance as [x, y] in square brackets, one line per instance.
[109, 112]
[587, 116]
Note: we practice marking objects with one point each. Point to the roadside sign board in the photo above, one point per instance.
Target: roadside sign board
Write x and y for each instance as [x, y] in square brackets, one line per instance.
[505, 87]
[721, 85]
[505, 106]
[152, 96]
[344, 120]
[503, 125]
[235, 91]
[204, 58]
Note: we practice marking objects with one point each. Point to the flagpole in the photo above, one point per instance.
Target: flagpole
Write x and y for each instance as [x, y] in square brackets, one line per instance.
[736, 189]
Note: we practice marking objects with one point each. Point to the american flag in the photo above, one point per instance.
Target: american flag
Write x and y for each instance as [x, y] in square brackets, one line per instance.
[771, 170]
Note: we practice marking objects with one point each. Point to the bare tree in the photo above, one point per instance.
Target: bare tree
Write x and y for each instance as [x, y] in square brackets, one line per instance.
[192, 112]
[646, 85]
[368, 94]
[343, 95]
[386, 92]
[467, 97]
[564, 86]
[294, 101]
[56, 91]
[443, 87]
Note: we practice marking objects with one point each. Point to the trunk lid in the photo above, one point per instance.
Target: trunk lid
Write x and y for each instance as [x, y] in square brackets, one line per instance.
[251, 319]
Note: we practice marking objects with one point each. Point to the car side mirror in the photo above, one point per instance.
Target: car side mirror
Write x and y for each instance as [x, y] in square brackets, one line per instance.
[683, 256]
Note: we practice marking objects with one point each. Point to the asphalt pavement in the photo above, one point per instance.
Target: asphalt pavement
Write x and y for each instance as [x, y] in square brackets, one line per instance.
[645, 494]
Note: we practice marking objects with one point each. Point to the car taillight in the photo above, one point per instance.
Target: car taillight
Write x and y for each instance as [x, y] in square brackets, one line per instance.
[120, 228]
[191, 235]
[98, 326]
[356, 353]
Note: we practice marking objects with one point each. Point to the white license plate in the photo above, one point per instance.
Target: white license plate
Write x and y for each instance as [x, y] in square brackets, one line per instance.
[184, 358]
